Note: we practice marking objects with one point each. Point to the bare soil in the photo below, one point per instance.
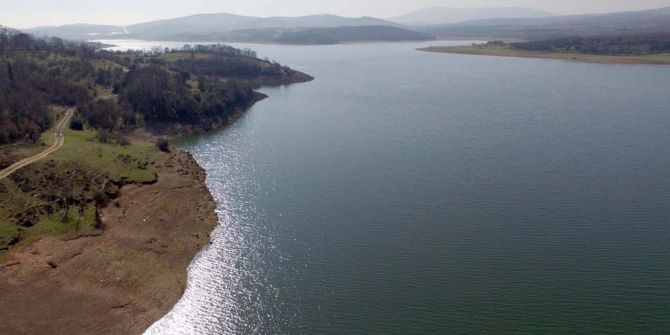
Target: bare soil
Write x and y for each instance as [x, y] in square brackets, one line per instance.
[122, 280]
[654, 59]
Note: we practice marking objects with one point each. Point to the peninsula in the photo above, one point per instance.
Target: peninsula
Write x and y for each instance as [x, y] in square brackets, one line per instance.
[99, 215]
[637, 49]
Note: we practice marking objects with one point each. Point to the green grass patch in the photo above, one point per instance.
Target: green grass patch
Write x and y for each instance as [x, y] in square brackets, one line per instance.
[12, 201]
[85, 167]
[82, 146]
[57, 224]
[175, 56]
[8, 234]
[660, 57]
[17, 204]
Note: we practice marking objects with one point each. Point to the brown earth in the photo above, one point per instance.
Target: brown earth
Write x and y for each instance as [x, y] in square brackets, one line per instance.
[122, 280]
[652, 59]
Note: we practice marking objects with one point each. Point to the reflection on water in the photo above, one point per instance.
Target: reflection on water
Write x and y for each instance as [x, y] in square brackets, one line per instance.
[406, 192]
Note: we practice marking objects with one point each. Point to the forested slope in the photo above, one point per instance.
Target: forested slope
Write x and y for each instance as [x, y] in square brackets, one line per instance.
[199, 86]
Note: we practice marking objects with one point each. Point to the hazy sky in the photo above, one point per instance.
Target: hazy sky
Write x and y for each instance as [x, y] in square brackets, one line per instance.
[29, 13]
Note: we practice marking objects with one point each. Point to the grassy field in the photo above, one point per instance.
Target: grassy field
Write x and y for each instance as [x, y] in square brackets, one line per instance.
[31, 200]
[659, 59]
[81, 146]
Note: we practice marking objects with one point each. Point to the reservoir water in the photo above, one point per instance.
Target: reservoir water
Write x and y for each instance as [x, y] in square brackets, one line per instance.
[404, 192]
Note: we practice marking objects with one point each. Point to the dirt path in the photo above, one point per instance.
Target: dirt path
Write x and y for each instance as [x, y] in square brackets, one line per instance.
[59, 140]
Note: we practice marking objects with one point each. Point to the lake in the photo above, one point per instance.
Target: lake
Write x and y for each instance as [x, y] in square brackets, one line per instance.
[404, 192]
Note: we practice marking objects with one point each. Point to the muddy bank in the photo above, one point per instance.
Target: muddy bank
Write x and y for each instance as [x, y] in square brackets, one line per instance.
[126, 278]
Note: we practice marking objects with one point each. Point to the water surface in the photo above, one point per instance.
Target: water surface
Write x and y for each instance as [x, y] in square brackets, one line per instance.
[415, 193]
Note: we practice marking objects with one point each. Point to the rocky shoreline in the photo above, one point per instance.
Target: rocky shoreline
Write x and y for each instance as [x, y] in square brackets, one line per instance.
[122, 280]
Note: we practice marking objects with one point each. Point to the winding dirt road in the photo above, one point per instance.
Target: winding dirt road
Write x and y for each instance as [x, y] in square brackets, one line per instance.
[59, 140]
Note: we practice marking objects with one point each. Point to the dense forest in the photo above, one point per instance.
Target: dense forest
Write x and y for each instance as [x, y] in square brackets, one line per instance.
[201, 86]
[161, 96]
[605, 45]
[35, 74]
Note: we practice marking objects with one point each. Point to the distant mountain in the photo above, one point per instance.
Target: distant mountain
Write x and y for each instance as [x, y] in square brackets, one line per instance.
[213, 23]
[307, 36]
[445, 15]
[78, 31]
[205, 25]
[614, 24]
[353, 34]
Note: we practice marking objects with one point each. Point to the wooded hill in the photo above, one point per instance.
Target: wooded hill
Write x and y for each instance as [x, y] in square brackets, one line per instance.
[529, 29]
[603, 45]
[115, 95]
[223, 27]
[200, 86]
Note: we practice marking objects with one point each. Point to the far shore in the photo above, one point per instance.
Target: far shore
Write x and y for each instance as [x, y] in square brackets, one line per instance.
[655, 59]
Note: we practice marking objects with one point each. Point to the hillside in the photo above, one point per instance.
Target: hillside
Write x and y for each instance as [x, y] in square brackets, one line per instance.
[218, 23]
[202, 26]
[624, 23]
[646, 44]
[115, 95]
[353, 34]
[446, 15]
[80, 32]
[98, 228]
[312, 36]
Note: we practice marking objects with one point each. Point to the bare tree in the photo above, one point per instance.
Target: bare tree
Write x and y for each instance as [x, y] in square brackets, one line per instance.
[67, 199]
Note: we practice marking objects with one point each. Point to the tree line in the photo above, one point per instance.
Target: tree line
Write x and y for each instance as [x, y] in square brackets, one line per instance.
[196, 85]
[603, 45]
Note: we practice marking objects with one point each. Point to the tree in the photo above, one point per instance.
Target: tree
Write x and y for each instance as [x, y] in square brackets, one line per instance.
[67, 199]
[77, 124]
[163, 145]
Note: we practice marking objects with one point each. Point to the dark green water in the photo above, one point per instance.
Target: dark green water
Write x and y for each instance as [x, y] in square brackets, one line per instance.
[412, 193]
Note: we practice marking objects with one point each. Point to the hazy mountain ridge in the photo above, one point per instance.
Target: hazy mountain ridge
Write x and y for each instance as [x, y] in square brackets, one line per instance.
[203, 25]
[447, 15]
[208, 23]
[301, 30]
[621, 23]
[331, 35]
[78, 31]
[306, 36]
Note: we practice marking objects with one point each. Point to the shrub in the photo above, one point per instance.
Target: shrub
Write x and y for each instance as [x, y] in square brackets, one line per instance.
[121, 139]
[77, 124]
[104, 136]
[163, 145]
[101, 199]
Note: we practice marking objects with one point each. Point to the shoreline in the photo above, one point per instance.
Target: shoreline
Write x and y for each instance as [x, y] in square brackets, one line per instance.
[98, 231]
[124, 279]
[657, 59]
[126, 276]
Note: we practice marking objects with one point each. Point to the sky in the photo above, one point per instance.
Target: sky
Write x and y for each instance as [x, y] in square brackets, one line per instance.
[31, 13]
